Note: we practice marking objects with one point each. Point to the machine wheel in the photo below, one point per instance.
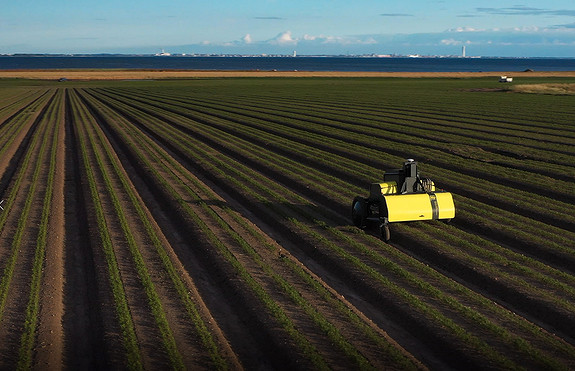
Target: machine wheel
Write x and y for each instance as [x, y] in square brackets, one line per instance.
[359, 211]
[384, 231]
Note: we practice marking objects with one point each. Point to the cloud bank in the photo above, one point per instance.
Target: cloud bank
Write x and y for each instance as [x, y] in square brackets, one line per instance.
[553, 41]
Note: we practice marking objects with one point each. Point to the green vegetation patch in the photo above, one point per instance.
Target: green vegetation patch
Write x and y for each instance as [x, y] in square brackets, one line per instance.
[554, 89]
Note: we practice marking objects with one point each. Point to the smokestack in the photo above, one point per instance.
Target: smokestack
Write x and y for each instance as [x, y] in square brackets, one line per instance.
[463, 51]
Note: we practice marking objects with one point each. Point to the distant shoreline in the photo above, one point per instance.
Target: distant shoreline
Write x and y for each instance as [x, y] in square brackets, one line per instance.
[157, 74]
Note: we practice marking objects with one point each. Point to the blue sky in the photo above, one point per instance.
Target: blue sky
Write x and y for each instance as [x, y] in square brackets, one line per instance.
[517, 28]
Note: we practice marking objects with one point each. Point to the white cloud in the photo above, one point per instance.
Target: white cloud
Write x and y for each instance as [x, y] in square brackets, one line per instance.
[247, 39]
[284, 38]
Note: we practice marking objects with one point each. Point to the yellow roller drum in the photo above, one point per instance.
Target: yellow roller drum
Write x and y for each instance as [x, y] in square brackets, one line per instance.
[446, 205]
[419, 206]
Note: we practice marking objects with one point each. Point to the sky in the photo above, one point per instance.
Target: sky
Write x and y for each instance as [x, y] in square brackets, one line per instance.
[516, 28]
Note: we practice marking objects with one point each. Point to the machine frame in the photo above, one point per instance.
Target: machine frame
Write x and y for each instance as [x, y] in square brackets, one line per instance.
[403, 196]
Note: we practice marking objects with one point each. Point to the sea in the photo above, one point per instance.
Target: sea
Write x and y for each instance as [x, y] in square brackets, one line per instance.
[303, 63]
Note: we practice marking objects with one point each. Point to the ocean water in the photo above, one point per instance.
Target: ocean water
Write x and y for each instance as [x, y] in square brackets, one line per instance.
[290, 63]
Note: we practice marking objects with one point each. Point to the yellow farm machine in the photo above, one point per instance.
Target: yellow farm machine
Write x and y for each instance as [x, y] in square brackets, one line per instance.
[402, 197]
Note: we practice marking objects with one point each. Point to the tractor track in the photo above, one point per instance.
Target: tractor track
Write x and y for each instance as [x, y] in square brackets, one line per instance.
[50, 335]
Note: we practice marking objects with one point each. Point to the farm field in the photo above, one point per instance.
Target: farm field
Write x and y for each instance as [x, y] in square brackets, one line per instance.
[205, 224]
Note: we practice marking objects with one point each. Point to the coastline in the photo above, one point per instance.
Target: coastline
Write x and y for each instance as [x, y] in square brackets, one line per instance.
[130, 74]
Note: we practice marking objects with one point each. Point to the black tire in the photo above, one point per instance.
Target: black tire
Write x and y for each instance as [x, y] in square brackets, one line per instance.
[359, 211]
[385, 233]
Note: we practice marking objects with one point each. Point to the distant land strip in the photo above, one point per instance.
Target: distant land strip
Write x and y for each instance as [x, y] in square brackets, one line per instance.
[158, 74]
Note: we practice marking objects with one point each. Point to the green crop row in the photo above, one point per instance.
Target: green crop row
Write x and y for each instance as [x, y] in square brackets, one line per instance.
[304, 175]
[436, 285]
[170, 269]
[149, 288]
[226, 172]
[52, 119]
[446, 120]
[133, 358]
[9, 130]
[274, 309]
[331, 331]
[473, 141]
[300, 228]
[472, 184]
[220, 116]
[10, 262]
[294, 152]
[499, 173]
[12, 102]
[513, 197]
[348, 132]
[418, 129]
[303, 153]
[440, 128]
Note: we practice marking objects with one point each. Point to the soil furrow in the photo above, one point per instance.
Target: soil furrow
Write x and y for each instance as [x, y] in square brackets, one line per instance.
[85, 341]
[20, 238]
[374, 162]
[235, 156]
[374, 294]
[204, 224]
[238, 317]
[115, 348]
